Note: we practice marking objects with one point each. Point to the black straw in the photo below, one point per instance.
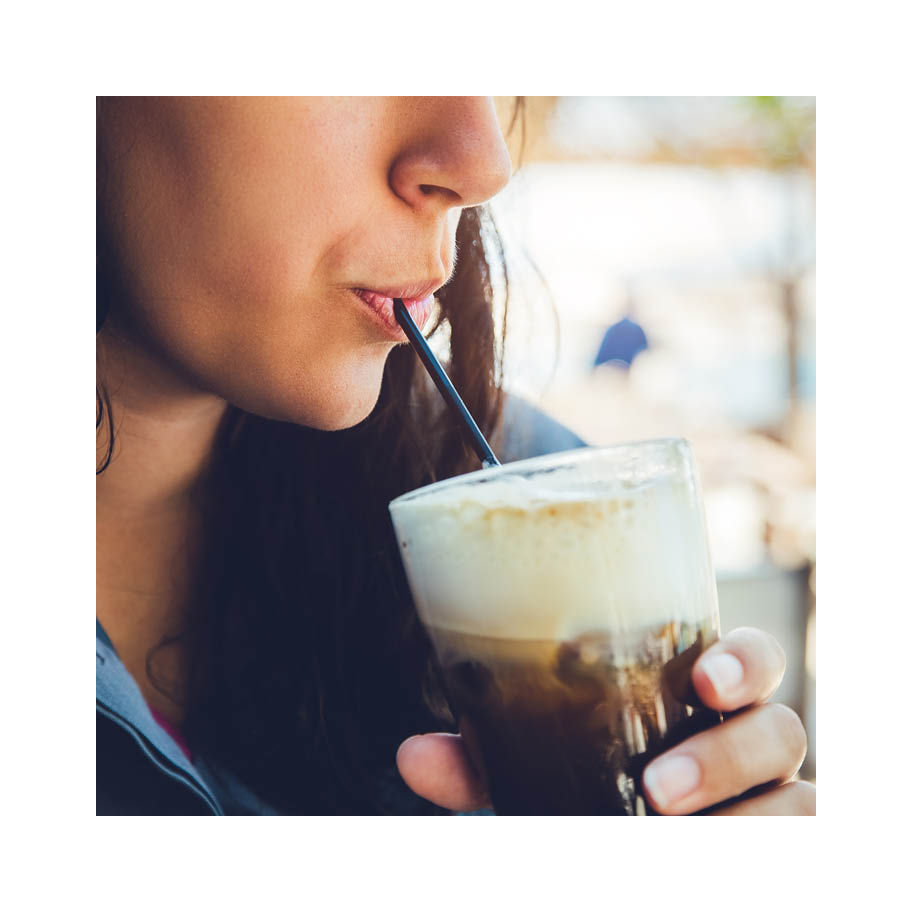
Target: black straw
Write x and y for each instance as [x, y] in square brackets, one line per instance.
[444, 384]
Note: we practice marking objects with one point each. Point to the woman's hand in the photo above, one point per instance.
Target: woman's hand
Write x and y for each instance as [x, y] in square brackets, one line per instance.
[752, 757]
[759, 749]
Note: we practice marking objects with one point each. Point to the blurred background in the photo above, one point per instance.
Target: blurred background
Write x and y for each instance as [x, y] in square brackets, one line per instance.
[661, 259]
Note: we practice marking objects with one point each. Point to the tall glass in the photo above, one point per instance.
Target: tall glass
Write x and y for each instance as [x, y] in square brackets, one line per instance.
[567, 597]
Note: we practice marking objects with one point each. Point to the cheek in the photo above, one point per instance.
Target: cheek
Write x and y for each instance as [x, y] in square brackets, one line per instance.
[231, 284]
[252, 274]
[302, 358]
[234, 267]
[252, 253]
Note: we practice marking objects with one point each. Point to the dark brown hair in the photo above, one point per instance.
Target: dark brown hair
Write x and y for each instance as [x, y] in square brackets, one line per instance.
[307, 666]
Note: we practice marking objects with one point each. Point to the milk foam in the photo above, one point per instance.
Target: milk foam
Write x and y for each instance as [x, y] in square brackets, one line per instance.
[533, 559]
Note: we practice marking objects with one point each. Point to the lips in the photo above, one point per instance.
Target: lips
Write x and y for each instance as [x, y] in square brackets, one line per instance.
[418, 302]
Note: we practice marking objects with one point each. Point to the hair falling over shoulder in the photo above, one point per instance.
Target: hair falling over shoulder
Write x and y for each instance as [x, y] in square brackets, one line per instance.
[308, 666]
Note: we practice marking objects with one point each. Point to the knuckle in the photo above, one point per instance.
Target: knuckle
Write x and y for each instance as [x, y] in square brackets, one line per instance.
[731, 753]
[780, 660]
[745, 635]
[790, 730]
[806, 798]
[758, 645]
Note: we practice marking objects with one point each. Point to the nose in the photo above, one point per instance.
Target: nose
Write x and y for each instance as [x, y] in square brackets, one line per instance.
[454, 154]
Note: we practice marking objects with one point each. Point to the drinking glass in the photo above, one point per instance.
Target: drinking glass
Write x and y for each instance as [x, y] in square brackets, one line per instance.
[567, 597]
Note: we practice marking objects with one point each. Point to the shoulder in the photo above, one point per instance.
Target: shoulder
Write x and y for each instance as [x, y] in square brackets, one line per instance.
[527, 431]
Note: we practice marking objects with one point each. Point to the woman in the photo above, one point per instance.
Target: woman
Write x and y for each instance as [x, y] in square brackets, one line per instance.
[257, 648]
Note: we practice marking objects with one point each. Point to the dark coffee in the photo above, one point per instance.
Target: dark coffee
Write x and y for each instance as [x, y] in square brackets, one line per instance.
[568, 727]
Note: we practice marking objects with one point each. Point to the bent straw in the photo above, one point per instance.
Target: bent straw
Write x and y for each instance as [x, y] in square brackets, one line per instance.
[443, 383]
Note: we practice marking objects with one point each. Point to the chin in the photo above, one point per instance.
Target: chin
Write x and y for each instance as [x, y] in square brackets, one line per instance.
[340, 414]
[349, 397]
[331, 400]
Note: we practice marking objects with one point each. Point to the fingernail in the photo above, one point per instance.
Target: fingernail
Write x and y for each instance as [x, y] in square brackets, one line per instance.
[724, 671]
[401, 746]
[670, 779]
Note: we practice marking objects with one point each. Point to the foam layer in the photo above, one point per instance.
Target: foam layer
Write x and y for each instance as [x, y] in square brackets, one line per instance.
[527, 559]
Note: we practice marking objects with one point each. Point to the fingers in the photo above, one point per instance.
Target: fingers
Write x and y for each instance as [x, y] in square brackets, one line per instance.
[437, 768]
[764, 744]
[795, 799]
[743, 668]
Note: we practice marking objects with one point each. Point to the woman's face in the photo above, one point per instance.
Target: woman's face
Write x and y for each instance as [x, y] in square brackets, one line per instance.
[252, 229]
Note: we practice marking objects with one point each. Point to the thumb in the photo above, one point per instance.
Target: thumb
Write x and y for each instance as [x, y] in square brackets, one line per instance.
[437, 767]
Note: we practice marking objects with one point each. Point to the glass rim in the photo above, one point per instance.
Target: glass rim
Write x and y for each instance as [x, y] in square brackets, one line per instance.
[548, 460]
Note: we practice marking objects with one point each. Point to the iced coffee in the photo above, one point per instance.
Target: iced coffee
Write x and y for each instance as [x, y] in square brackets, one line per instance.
[568, 598]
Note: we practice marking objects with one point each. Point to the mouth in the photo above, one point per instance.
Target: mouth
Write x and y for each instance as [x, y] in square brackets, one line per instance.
[418, 301]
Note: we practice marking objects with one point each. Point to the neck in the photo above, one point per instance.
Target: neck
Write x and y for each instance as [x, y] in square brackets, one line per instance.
[146, 519]
[164, 431]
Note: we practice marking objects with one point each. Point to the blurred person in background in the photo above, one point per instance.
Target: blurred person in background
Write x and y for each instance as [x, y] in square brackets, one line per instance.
[623, 340]
[257, 649]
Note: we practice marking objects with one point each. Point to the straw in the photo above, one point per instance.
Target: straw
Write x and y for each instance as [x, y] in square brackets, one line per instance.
[443, 383]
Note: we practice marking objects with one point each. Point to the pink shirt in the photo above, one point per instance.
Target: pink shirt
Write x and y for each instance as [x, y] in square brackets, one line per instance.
[173, 732]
